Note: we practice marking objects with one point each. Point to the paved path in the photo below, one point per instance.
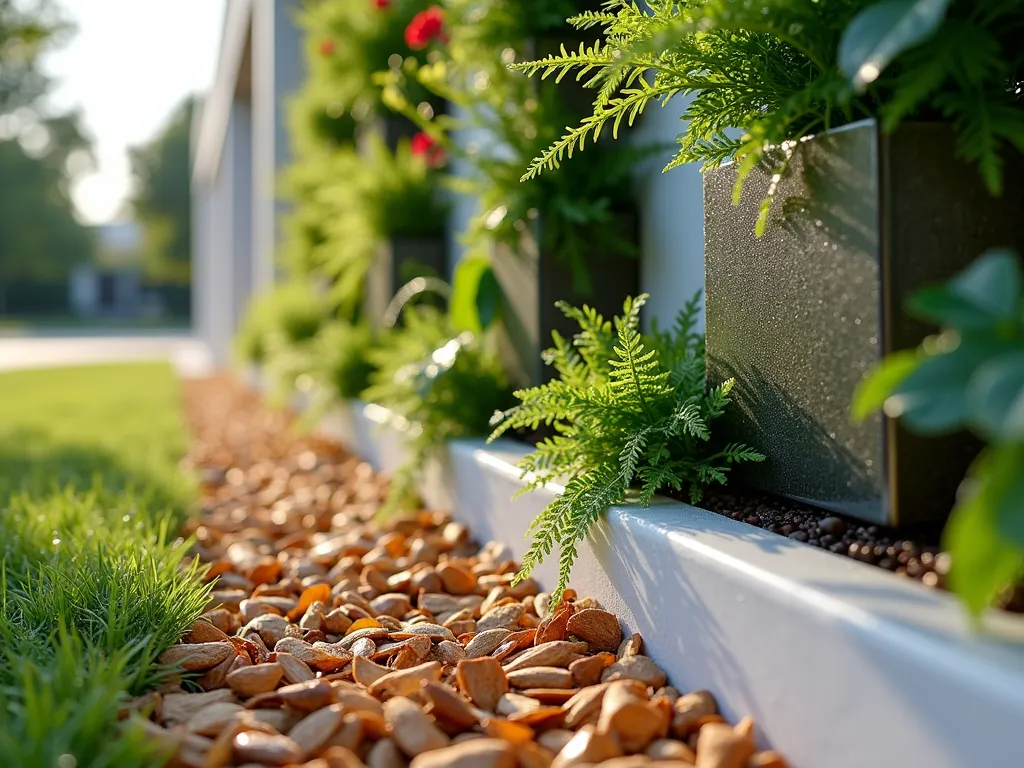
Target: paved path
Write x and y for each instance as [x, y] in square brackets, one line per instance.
[189, 356]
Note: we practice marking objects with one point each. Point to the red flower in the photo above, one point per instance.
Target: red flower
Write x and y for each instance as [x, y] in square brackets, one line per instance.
[423, 144]
[425, 27]
[382, 4]
[326, 47]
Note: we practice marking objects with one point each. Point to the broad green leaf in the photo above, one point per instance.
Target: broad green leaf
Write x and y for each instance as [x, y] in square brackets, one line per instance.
[883, 31]
[476, 295]
[1009, 480]
[933, 398]
[940, 305]
[876, 387]
[983, 559]
[984, 295]
[996, 398]
[992, 283]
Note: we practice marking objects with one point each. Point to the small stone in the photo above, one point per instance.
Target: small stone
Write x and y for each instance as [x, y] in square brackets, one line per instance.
[598, 628]
[257, 747]
[197, 656]
[249, 681]
[832, 525]
[482, 680]
[413, 731]
[719, 746]
[636, 668]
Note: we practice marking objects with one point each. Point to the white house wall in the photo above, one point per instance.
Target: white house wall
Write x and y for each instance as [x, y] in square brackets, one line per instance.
[277, 72]
[245, 270]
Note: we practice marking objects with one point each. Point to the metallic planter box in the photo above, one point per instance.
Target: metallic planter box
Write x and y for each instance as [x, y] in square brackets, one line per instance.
[532, 279]
[801, 314]
[400, 260]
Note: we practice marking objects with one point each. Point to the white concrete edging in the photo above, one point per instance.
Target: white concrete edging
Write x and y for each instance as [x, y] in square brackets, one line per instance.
[842, 664]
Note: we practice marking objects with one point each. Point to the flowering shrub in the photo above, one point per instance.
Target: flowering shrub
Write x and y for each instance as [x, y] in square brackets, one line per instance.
[426, 146]
[425, 27]
[580, 205]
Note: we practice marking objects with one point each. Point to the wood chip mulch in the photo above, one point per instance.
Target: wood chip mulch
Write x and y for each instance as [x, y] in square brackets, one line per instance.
[334, 640]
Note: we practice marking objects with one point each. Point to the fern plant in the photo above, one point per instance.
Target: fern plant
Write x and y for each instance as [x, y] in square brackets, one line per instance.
[629, 410]
[439, 384]
[780, 70]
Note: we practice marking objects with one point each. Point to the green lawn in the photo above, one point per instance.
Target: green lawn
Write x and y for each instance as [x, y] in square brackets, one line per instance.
[91, 590]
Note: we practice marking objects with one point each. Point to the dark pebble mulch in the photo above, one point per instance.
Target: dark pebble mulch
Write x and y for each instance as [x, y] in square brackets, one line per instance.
[912, 552]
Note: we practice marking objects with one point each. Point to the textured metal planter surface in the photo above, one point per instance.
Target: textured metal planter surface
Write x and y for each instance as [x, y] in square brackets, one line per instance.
[532, 279]
[801, 314]
[399, 261]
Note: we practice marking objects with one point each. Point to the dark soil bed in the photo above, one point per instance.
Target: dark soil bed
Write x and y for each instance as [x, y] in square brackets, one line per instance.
[913, 552]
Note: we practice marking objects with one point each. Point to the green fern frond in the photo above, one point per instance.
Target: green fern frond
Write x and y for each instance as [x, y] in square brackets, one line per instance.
[688, 420]
[623, 418]
[591, 19]
[586, 498]
[582, 61]
[737, 453]
[770, 68]
[627, 107]
[595, 339]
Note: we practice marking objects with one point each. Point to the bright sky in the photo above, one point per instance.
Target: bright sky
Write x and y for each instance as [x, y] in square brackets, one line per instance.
[129, 65]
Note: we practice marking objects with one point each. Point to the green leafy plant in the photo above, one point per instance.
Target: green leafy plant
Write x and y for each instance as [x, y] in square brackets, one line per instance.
[629, 410]
[970, 376]
[291, 313]
[331, 367]
[439, 384]
[781, 70]
[510, 120]
[351, 204]
[346, 42]
[341, 361]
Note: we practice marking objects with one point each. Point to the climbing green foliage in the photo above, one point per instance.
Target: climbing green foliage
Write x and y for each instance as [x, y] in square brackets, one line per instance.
[970, 376]
[340, 358]
[775, 70]
[346, 42]
[629, 410]
[440, 385]
[356, 201]
[291, 313]
[501, 120]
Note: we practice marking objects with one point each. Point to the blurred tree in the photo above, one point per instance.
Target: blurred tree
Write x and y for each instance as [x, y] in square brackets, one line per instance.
[162, 200]
[40, 238]
[27, 28]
